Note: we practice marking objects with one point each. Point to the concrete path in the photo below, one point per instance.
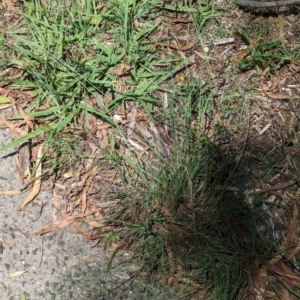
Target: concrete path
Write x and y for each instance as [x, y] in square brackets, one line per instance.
[57, 266]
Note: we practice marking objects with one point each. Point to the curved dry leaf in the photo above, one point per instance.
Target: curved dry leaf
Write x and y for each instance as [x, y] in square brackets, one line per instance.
[27, 119]
[244, 52]
[68, 220]
[117, 249]
[10, 193]
[121, 71]
[289, 237]
[88, 179]
[104, 142]
[96, 224]
[5, 106]
[87, 235]
[68, 175]
[277, 96]
[11, 6]
[46, 229]
[22, 161]
[291, 233]
[17, 273]
[37, 184]
[13, 128]
[60, 223]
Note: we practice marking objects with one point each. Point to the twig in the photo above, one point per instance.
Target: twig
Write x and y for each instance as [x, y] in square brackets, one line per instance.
[40, 212]
[42, 254]
[255, 4]
[280, 186]
[120, 247]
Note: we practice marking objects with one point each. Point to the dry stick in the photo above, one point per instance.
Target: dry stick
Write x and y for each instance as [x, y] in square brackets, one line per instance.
[280, 186]
[267, 4]
[42, 253]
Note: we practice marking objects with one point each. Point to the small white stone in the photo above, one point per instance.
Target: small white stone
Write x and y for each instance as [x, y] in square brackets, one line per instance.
[118, 118]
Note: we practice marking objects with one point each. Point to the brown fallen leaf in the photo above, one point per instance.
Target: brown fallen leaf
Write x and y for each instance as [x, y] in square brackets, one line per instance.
[258, 282]
[68, 175]
[121, 71]
[90, 177]
[87, 235]
[28, 120]
[13, 127]
[104, 142]
[277, 96]
[37, 183]
[60, 223]
[67, 221]
[5, 106]
[136, 23]
[95, 224]
[284, 292]
[46, 229]
[289, 237]
[17, 274]
[170, 281]
[291, 233]
[22, 161]
[244, 52]
[11, 6]
[103, 126]
[285, 273]
[5, 92]
[11, 193]
[117, 249]
[19, 169]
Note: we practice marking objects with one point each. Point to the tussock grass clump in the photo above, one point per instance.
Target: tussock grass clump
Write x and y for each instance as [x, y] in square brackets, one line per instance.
[183, 224]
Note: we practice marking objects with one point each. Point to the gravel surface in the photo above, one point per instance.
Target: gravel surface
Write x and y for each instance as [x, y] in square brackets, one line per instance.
[59, 265]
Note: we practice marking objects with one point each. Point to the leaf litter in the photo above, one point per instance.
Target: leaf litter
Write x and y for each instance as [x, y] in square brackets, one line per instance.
[142, 134]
